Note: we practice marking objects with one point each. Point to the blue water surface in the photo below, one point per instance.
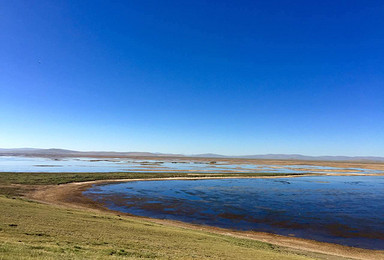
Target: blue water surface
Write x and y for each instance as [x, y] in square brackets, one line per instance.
[83, 164]
[347, 210]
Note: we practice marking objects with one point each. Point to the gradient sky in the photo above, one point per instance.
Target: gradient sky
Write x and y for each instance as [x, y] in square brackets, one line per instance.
[229, 77]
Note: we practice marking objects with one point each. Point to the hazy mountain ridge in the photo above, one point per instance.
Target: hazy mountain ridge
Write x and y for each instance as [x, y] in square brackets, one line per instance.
[64, 152]
[71, 153]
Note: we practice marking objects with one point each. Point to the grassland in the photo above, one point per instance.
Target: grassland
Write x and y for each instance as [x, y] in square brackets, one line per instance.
[33, 230]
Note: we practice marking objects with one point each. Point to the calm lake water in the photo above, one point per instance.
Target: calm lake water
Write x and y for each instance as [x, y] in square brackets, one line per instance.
[347, 210]
[29, 164]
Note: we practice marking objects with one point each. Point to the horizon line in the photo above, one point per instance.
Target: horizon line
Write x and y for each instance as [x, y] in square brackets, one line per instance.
[195, 154]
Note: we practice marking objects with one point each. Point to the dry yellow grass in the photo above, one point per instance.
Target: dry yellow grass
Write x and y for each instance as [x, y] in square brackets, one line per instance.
[33, 230]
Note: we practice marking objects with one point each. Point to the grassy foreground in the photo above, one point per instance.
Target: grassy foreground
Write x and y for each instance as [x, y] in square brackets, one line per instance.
[30, 230]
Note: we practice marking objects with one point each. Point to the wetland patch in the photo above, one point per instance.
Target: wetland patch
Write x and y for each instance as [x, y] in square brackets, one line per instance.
[32, 164]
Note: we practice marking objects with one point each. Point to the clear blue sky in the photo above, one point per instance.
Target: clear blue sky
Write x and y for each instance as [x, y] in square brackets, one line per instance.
[229, 77]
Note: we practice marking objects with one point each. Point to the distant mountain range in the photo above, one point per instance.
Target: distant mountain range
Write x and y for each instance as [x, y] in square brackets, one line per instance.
[70, 153]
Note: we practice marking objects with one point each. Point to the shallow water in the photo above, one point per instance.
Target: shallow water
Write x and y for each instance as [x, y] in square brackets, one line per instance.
[347, 210]
[29, 164]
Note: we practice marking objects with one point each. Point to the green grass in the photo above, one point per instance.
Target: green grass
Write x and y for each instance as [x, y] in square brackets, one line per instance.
[29, 230]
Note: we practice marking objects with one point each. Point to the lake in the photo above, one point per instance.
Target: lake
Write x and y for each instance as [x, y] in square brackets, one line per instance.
[347, 210]
[31, 164]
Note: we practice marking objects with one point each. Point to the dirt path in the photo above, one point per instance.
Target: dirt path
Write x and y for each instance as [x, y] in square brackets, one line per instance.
[70, 195]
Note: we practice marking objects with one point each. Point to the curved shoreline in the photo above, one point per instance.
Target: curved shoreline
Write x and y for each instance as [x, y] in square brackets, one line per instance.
[70, 195]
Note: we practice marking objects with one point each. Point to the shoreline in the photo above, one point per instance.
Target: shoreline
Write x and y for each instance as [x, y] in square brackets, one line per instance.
[70, 195]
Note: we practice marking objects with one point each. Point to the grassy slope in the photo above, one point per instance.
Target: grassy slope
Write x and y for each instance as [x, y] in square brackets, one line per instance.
[33, 230]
